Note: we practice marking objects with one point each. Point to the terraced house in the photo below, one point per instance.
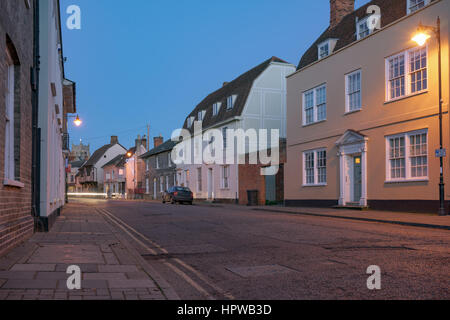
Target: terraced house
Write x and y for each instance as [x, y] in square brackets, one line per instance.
[362, 110]
[254, 100]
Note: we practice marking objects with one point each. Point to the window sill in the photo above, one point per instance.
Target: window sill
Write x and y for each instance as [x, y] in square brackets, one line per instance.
[13, 183]
[314, 185]
[313, 123]
[406, 181]
[352, 112]
[406, 96]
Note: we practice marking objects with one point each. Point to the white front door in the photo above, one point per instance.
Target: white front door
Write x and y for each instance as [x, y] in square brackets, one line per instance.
[353, 168]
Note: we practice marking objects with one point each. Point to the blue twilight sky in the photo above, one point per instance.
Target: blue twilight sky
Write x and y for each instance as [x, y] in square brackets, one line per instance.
[152, 61]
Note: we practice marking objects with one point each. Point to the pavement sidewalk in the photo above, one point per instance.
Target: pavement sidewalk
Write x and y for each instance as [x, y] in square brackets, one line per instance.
[399, 218]
[111, 268]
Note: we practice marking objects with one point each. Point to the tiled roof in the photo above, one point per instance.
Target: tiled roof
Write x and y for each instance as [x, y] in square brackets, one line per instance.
[77, 164]
[240, 87]
[345, 31]
[118, 161]
[166, 146]
[97, 155]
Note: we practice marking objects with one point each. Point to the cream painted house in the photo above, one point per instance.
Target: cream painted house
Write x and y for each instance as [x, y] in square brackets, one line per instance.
[362, 111]
[254, 100]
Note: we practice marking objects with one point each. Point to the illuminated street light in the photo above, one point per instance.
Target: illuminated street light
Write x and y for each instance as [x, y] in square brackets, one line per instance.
[77, 121]
[420, 37]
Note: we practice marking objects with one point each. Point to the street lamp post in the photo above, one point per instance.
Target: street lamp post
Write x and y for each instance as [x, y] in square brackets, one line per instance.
[420, 38]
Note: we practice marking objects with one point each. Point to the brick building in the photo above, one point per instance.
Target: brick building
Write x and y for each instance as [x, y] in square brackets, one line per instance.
[16, 95]
[270, 188]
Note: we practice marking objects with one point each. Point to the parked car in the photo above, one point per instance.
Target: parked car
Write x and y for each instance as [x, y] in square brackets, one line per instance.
[178, 195]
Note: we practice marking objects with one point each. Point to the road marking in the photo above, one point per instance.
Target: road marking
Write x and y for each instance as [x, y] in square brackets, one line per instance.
[202, 277]
[189, 280]
[164, 251]
[153, 252]
[123, 225]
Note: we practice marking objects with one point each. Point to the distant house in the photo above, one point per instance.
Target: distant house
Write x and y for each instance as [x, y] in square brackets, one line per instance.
[91, 173]
[114, 177]
[134, 168]
[254, 100]
[160, 171]
[73, 170]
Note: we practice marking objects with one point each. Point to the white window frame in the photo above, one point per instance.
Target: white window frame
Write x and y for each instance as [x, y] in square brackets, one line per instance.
[316, 183]
[409, 6]
[147, 186]
[167, 182]
[315, 106]
[190, 121]
[157, 162]
[408, 176]
[169, 159]
[201, 115]
[348, 93]
[331, 45]
[322, 46]
[358, 28]
[225, 177]
[9, 122]
[407, 74]
[232, 100]
[216, 108]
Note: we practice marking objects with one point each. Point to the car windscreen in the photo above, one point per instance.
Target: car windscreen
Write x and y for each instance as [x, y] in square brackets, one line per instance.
[183, 189]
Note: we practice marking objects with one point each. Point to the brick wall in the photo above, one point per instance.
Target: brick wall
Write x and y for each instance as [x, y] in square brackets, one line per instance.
[250, 178]
[16, 222]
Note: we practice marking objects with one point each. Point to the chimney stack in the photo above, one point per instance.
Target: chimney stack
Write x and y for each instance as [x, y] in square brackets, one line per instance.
[157, 141]
[339, 9]
[114, 140]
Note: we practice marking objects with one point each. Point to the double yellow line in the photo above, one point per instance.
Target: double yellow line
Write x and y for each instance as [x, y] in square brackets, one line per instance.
[154, 249]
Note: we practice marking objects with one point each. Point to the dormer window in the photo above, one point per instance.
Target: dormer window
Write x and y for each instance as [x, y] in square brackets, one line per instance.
[201, 115]
[362, 28]
[414, 5]
[230, 102]
[216, 108]
[326, 48]
[190, 121]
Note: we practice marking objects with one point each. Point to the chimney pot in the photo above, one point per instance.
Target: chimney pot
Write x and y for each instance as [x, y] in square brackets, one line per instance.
[114, 140]
[339, 9]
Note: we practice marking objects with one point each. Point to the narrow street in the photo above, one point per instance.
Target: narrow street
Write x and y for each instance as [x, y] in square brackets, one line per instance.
[230, 252]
